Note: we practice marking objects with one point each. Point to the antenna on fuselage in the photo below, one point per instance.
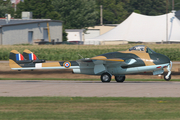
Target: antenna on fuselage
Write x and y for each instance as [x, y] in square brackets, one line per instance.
[80, 56]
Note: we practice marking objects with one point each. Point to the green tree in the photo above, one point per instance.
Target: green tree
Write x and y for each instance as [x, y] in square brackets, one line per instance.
[76, 14]
[6, 7]
[147, 7]
[41, 9]
[116, 11]
[176, 5]
[113, 11]
[64, 35]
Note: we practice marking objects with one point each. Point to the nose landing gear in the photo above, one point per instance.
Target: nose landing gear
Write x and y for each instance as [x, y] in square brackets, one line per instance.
[168, 76]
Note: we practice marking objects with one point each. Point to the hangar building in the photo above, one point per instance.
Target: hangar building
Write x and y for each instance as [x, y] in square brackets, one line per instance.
[24, 31]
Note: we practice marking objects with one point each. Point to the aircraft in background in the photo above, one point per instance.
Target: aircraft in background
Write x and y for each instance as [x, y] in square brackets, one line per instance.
[137, 59]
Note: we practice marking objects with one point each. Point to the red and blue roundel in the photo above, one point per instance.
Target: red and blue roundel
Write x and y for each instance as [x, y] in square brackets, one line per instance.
[67, 64]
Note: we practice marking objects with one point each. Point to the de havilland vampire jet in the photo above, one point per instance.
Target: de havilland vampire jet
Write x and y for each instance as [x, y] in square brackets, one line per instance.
[134, 60]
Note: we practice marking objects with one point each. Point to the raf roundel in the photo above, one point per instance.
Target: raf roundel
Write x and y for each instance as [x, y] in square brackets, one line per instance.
[67, 64]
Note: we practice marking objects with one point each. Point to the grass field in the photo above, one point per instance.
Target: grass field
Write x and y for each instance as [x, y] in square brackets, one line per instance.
[90, 108]
[70, 52]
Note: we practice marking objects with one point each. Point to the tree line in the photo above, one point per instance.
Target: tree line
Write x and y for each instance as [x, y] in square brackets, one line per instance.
[78, 14]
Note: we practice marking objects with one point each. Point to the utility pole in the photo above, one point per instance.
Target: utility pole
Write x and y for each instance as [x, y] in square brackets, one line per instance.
[15, 7]
[101, 14]
[167, 21]
[172, 4]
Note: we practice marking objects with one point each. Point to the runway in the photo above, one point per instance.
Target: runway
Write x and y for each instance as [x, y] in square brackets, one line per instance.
[32, 88]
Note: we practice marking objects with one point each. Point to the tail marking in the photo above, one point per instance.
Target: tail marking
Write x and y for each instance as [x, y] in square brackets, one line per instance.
[19, 57]
[32, 56]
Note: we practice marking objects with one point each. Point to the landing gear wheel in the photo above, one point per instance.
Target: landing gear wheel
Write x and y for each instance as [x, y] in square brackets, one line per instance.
[167, 79]
[105, 77]
[120, 78]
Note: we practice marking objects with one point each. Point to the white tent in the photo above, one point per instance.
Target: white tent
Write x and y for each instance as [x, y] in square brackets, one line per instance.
[143, 28]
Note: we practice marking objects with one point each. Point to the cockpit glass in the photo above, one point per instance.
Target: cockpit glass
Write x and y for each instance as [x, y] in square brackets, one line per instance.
[137, 48]
[141, 48]
[148, 50]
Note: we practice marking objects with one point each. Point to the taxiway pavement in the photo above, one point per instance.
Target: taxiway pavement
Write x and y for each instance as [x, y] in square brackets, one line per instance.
[30, 88]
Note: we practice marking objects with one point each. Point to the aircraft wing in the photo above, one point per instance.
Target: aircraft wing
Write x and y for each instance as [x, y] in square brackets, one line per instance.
[97, 59]
[106, 59]
[101, 63]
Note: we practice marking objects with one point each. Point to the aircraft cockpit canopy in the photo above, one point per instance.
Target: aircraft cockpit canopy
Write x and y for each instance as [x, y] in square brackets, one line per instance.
[141, 48]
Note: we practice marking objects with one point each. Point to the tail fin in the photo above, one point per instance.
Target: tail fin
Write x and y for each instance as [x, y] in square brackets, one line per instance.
[31, 56]
[15, 58]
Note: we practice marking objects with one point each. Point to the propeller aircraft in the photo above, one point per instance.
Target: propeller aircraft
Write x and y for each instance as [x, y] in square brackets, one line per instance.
[137, 59]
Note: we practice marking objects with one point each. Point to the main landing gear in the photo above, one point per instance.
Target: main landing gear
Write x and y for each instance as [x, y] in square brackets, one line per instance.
[120, 78]
[106, 77]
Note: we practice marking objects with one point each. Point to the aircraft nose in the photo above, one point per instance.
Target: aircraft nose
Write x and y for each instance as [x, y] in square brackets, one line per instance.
[163, 59]
[160, 59]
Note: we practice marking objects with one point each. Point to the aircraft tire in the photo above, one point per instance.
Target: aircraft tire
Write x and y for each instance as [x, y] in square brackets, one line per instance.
[166, 78]
[105, 77]
[120, 78]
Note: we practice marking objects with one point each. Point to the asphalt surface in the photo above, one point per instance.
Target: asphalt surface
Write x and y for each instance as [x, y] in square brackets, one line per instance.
[30, 88]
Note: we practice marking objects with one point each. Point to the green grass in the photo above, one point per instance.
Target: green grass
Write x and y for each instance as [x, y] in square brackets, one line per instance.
[70, 52]
[88, 108]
